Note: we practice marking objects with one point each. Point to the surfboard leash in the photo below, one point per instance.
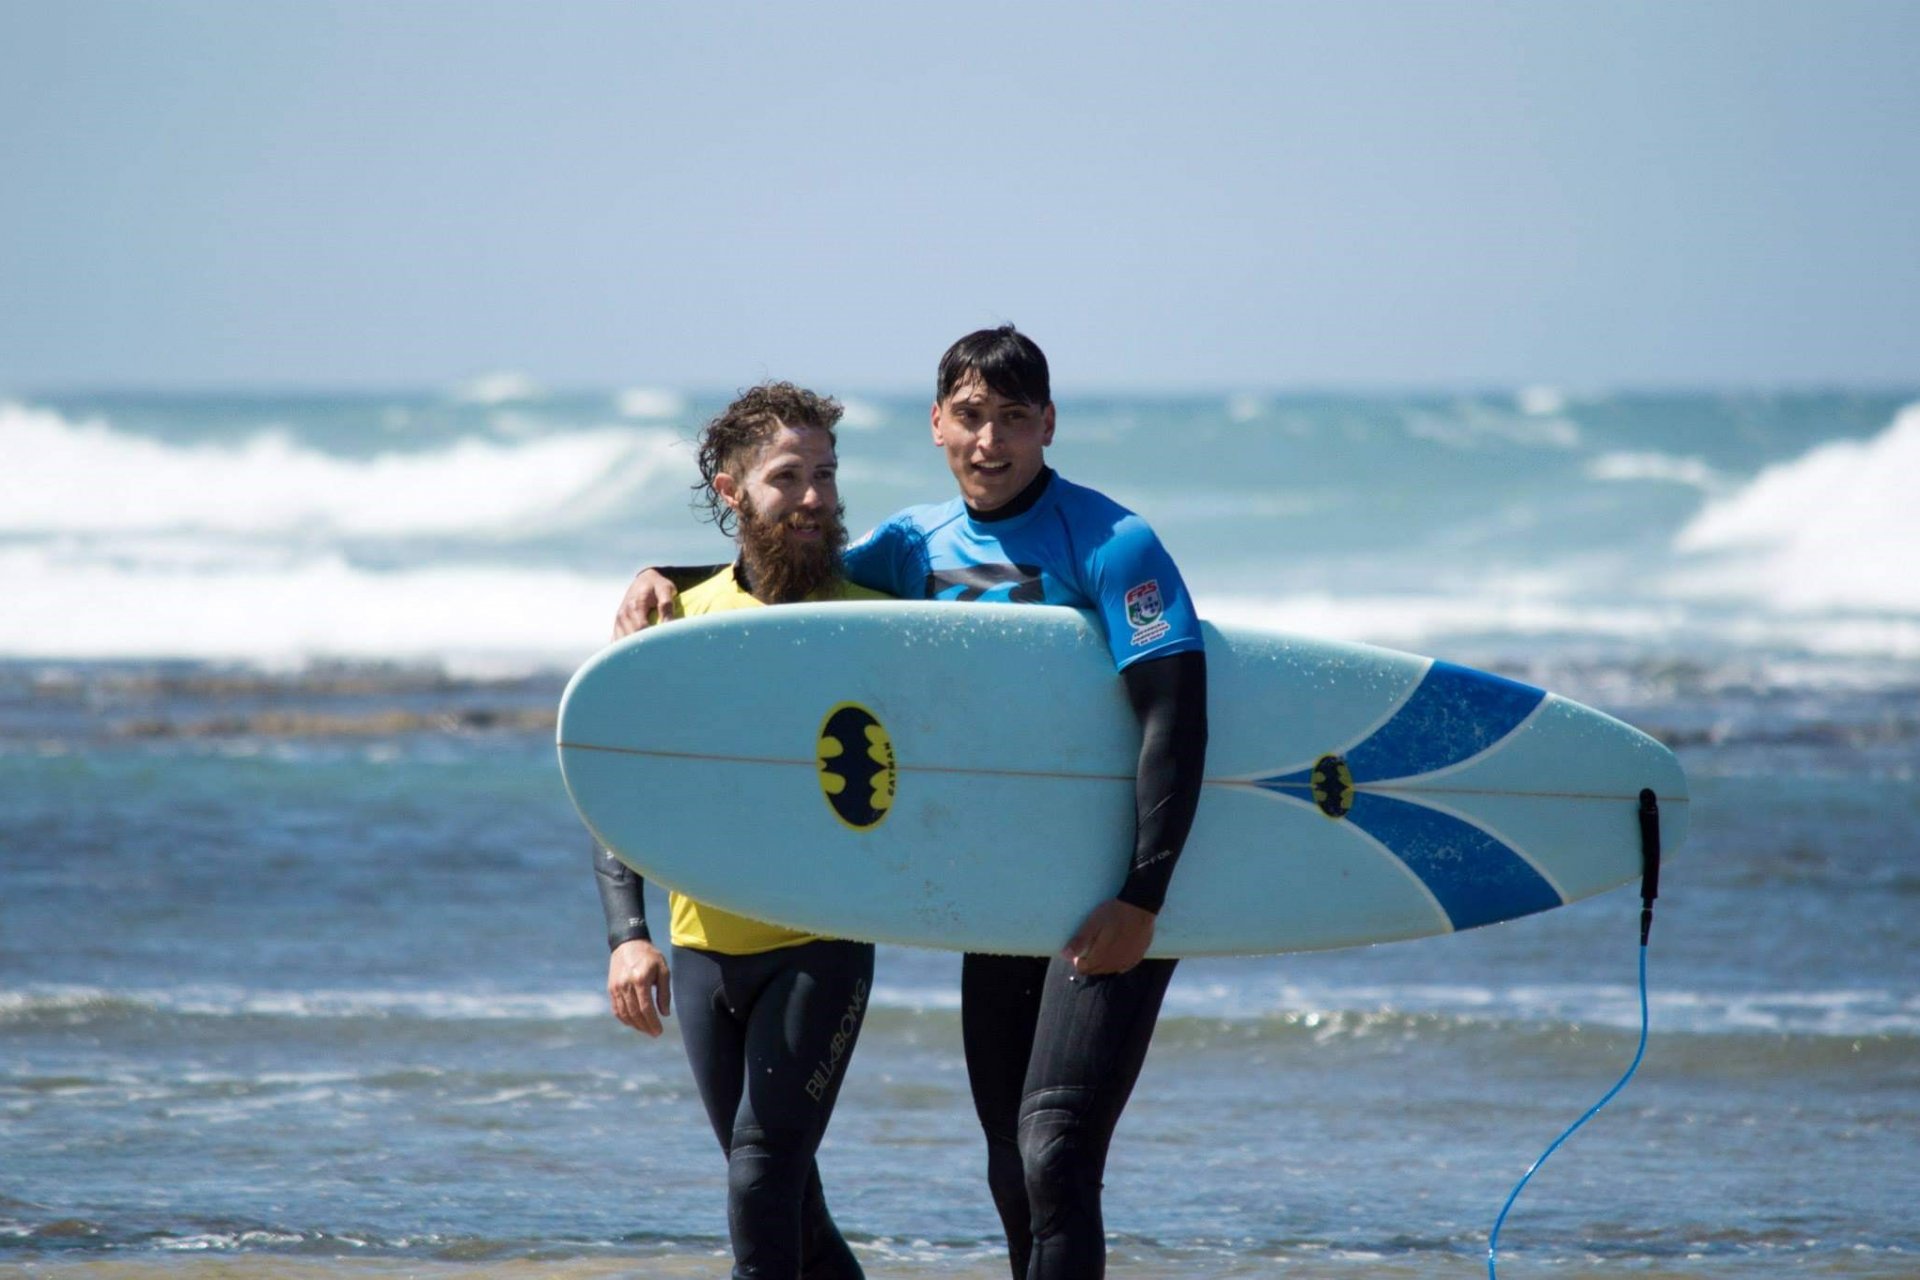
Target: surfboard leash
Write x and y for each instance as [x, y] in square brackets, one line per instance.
[1649, 890]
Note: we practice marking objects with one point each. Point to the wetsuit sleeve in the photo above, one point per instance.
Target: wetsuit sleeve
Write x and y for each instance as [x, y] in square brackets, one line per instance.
[683, 576]
[622, 898]
[1143, 601]
[1169, 695]
[889, 559]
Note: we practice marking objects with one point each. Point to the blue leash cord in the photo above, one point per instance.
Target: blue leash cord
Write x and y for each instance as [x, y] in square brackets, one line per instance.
[1493, 1241]
[1649, 890]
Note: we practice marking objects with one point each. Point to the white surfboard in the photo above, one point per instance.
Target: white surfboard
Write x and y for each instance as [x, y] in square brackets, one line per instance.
[961, 776]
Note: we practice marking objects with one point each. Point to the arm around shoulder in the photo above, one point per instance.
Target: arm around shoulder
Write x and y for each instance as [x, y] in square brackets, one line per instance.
[650, 597]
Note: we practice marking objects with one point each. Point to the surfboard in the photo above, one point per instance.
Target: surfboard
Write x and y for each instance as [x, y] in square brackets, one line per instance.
[961, 776]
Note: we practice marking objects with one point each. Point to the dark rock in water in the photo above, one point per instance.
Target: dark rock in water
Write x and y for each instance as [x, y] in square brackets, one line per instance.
[324, 724]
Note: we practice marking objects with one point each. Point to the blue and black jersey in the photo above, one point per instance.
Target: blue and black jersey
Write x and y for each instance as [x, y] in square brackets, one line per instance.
[1073, 546]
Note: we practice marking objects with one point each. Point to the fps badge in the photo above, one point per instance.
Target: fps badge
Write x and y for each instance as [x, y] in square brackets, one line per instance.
[857, 773]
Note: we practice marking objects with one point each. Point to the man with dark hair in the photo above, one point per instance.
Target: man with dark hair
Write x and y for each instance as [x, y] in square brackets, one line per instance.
[760, 1006]
[1053, 1044]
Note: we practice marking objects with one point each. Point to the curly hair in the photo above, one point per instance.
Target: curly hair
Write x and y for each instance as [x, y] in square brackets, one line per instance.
[730, 442]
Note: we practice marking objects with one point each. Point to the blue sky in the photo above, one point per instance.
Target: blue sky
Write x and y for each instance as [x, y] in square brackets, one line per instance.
[1242, 196]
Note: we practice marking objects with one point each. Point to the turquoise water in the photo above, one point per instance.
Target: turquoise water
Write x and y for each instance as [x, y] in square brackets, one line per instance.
[300, 965]
[490, 531]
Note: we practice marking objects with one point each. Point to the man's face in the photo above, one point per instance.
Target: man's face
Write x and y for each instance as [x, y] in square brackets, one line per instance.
[995, 446]
[788, 504]
[791, 483]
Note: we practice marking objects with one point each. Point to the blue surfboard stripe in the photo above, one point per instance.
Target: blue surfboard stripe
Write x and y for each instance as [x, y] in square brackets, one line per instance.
[1454, 714]
[1477, 878]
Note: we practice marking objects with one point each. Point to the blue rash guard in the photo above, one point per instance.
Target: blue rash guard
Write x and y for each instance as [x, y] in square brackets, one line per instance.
[1063, 543]
[1073, 546]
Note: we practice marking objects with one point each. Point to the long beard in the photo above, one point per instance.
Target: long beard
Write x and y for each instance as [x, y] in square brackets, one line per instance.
[783, 568]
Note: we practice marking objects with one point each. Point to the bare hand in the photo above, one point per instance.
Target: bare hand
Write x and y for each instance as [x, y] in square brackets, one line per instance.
[649, 600]
[1113, 938]
[637, 985]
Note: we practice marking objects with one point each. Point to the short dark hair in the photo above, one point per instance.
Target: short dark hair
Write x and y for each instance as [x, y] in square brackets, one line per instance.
[1008, 361]
[729, 442]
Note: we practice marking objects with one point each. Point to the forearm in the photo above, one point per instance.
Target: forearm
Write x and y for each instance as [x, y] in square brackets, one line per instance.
[622, 897]
[1169, 695]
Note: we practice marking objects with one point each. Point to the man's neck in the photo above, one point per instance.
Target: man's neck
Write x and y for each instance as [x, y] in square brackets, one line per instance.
[743, 576]
[1019, 504]
[757, 584]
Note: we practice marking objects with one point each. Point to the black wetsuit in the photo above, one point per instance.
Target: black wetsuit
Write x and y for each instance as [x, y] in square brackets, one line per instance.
[1052, 1055]
[769, 1037]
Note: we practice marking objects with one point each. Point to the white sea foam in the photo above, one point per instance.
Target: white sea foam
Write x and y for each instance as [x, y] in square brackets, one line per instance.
[1430, 622]
[281, 611]
[87, 477]
[1837, 528]
[269, 550]
[126, 546]
[1474, 426]
[1338, 1009]
[651, 402]
[1355, 1011]
[222, 1001]
[944, 997]
[1408, 620]
[1540, 402]
[1660, 467]
[501, 387]
[1246, 408]
[861, 415]
[268, 604]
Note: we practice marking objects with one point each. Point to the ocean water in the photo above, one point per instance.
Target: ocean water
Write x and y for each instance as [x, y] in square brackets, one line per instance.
[300, 961]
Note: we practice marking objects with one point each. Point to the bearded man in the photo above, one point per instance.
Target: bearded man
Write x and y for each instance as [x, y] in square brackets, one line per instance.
[768, 476]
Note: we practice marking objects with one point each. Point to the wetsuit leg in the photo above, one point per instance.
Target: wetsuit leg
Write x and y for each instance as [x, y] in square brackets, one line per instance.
[714, 1035]
[824, 1253]
[1090, 1042]
[999, 1006]
[774, 1034]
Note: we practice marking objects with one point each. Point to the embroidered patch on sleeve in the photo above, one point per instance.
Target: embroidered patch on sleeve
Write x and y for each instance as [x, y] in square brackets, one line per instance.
[1145, 608]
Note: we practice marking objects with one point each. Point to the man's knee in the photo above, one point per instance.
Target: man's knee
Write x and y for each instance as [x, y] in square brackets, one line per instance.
[1060, 1159]
[763, 1162]
[766, 1181]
